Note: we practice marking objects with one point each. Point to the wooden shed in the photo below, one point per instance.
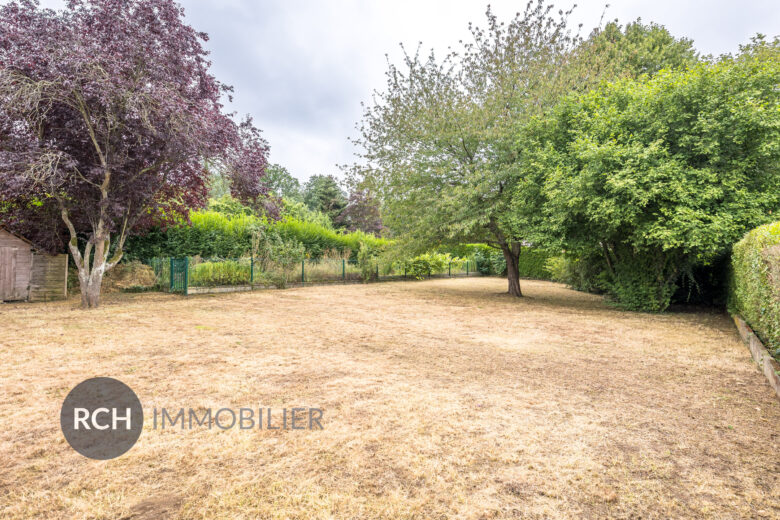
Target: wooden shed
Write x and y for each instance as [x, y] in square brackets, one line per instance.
[27, 274]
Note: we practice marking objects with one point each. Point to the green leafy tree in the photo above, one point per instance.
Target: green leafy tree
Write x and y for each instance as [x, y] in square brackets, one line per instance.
[282, 184]
[323, 193]
[438, 143]
[657, 176]
[293, 209]
[638, 49]
[229, 206]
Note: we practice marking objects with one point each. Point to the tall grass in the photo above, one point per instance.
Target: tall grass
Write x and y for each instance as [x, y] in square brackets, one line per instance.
[214, 272]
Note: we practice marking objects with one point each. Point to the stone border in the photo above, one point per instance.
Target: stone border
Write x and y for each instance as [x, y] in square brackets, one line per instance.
[765, 361]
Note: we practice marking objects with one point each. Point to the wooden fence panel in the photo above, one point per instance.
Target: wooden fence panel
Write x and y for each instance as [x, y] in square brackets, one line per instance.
[49, 279]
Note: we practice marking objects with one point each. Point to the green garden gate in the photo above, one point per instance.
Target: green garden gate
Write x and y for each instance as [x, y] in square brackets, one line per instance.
[179, 275]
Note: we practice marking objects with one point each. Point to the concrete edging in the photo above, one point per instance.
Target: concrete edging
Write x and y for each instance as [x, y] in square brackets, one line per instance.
[766, 363]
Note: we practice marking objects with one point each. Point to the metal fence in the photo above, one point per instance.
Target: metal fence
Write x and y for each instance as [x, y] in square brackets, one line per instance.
[190, 275]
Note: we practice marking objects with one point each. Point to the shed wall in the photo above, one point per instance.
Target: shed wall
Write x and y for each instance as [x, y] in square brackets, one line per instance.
[16, 258]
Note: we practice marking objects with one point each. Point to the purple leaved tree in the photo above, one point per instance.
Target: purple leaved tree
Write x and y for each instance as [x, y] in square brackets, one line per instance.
[361, 213]
[109, 122]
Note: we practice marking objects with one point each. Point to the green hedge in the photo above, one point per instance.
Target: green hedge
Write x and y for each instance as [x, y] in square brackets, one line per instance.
[490, 261]
[214, 234]
[317, 238]
[755, 283]
[533, 264]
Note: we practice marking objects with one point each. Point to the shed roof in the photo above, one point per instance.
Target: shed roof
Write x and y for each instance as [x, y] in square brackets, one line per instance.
[3, 228]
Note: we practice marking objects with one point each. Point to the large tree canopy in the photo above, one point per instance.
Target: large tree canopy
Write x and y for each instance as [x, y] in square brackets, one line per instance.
[435, 140]
[660, 175]
[439, 144]
[323, 193]
[281, 182]
[108, 117]
[361, 213]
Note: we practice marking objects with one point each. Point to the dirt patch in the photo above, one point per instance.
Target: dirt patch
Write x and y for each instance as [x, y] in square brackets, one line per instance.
[441, 399]
[153, 508]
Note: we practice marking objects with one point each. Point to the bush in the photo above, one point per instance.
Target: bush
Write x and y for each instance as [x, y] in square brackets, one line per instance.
[640, 285]
[659, 176]
[219, 272]
[276, 259]
[755, 283]
[424, 265]
[285, 256]
[532, 263]
[317, 239]
[367, 262]
[209, 234]
[583, 274]
[129, 275]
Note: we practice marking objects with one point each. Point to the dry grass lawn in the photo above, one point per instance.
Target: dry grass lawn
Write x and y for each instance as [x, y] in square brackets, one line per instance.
[442, 399]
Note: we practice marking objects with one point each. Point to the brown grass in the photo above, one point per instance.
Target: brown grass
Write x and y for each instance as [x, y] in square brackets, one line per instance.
[442, 399]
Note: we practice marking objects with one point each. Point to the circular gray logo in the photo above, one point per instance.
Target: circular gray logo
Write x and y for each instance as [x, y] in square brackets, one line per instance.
[101, 418]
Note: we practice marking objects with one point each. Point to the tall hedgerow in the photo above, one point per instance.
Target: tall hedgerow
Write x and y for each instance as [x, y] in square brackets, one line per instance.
[214, 234]
[755, 283]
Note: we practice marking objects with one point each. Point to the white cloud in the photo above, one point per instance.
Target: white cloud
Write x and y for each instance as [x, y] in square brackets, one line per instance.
[302, 67]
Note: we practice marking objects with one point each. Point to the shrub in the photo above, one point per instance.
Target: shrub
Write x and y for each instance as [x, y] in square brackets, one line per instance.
[129, 275]
[532, 263]
[659, 176]
[219, 272]
[317, 239]
[755, 283]
[276, 258]
[640, 285]
[580, 273]
[424, 265]
[367, 262]
[558, 267]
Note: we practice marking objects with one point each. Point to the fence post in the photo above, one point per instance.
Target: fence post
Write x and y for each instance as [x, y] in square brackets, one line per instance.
[377, 271]
[467, 267]
[186, 275]
[303, 272]
[343, 269]
[449, 270]
[170, 274]
[252, 271]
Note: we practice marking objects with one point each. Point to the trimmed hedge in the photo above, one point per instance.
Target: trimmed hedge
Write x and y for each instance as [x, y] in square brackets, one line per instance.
[214, 234]
[755, 283]
[533, 264]
[317, 238]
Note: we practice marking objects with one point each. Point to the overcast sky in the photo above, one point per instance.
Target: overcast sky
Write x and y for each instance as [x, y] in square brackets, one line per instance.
[302, 67]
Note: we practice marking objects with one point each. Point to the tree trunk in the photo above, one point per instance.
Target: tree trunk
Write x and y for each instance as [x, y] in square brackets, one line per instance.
[90, 284]
[512, 257]
[93, 263]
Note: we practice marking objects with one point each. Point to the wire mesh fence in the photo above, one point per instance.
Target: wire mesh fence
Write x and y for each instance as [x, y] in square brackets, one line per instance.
[189, 275]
